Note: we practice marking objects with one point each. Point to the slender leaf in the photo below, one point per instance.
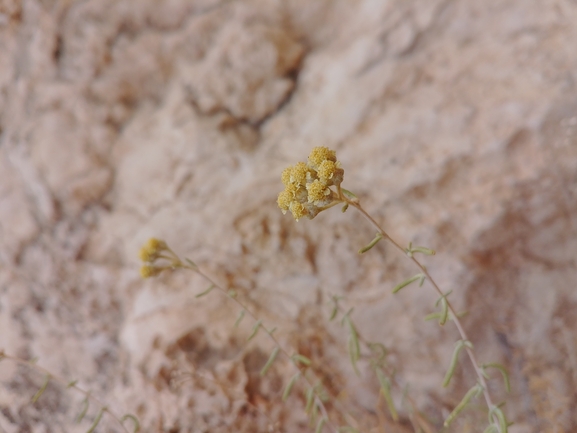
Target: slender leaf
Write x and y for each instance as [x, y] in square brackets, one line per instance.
[134, 420]
[84, 411]
[374, 242]
[270, 361]
[473, 392]
[386, 391]
[423, 250]
[335, 300]
[191, 263]
[320, 425]
[255, 329]
[503, 371]
[96, 420]
[432, 316]
[445, 311]
[334, 312]
[239, 319]
[314, 413]
[348, 193]
[407, 282]
[42, 389]
[354, 345]
[443, 296]
[503, 424]
[380, 351]
[346, 316]
[459, 345]
[206, 292]
[289, 386]
[310, 397]
[301, 358]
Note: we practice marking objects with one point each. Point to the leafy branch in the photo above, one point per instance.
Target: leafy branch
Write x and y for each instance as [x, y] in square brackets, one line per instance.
[446, 305]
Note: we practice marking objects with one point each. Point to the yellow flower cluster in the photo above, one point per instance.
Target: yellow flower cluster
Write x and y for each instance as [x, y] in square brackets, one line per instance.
[153, 250]
[307, 186]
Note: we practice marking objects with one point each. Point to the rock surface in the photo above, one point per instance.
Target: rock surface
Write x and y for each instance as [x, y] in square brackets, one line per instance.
[455, 122]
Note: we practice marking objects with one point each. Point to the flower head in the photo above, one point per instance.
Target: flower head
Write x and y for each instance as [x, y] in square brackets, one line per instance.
[152, 250]
[326, 170]
[284, 200]
[320, 154]
[317, 191]
[298, 210]
[298, 174]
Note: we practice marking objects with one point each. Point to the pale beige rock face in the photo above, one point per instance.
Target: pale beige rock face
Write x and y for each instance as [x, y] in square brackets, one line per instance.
[455, 122]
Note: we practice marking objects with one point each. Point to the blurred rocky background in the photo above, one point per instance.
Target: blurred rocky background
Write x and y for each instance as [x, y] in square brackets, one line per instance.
[455, 122]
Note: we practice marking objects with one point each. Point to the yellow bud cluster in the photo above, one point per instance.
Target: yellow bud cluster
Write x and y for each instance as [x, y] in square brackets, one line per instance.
[147, 271]
[307, 186]
[152, 251]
